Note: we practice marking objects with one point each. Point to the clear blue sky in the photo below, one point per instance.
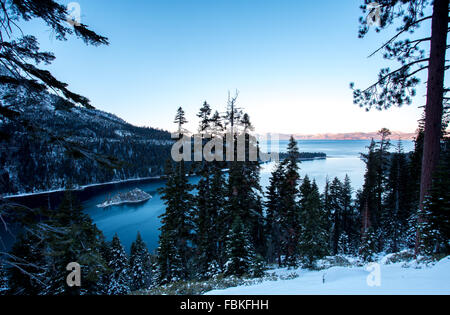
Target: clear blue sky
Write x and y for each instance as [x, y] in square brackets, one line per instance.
[291, 60]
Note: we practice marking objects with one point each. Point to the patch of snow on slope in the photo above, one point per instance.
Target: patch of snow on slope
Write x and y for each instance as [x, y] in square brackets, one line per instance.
[395, 279]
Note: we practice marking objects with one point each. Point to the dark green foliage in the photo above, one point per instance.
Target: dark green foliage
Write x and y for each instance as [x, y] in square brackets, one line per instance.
[26, 266]
[371, 198]
[243, 191]
[368, 247]
[208, 207]
[240, 253]
[3, 280]
[140, 265]
[397, 205]
[76, 240]
[273, 216]
[283, 211]
[119, 277]
[180, 119]
[336, 214]
[396, 87]
[176, 231]
[205, 117]
[40, 256]
[290, 213]
[343, 220]
[436, 226]
[349, 238]
[217, 199]
[313, 243]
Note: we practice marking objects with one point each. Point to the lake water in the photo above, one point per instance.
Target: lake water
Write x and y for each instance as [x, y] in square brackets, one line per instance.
[343, 157]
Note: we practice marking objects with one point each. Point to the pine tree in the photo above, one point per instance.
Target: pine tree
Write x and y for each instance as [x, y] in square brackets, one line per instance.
[27, 263]
[207, 209]
[397, 204]
[240, 253]
[336, 212]
[371, 197]
[368, 247]
[273, 216]
[244, 193]
[76, 239]
[382, 164]
[140, 265]
[416, 54]
[313, 243]
[119, 279]
[180, 119]
[216, 125]
[290, 208]
[349, 238]
[174, 249]
[435, 227]
[205, 117]
[219, 228]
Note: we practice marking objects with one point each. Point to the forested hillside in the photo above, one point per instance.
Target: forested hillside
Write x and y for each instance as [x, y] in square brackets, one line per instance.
[34, 163]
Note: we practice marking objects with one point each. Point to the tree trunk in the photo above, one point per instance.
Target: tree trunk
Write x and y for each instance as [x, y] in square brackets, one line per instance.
[434, 106]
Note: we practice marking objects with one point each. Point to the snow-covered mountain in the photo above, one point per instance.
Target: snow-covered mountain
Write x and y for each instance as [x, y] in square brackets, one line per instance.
[36, 161]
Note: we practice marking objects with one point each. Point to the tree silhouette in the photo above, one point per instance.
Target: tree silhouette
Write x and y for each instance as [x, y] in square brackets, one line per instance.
[397, 87]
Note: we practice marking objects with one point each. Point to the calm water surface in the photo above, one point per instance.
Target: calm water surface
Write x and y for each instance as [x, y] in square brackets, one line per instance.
[126, 220]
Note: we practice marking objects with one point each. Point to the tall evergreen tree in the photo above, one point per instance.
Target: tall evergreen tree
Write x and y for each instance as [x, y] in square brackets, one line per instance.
[273, 216]
[336, 212]
[290, 207]
[240, 252]
[435, 228]
[206, 221]
[174, 252]
[205, 117]
[368, 198]
[218, 201]
[244, 202]
[313, 243]
[180, 119]
[26, 277]
[371, 199]
[119, 279]
[174, 244]
[397, 204]
[140, 265]
[77, 239]
[397, 87]
[349, 238]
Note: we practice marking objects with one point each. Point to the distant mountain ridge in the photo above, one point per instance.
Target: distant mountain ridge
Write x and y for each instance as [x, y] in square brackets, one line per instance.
[349, 136]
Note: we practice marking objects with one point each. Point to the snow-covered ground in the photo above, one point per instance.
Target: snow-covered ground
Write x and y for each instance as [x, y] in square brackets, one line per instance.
[396, 278]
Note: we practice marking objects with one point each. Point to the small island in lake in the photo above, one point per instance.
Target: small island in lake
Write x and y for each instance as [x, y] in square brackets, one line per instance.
[134, 196]
[305, 156]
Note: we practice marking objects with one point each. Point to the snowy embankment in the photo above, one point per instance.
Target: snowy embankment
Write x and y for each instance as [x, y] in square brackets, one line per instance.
[383, 278]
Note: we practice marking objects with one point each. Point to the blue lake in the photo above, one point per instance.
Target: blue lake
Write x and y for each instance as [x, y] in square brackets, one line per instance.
[127, 220]
[343, 157]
